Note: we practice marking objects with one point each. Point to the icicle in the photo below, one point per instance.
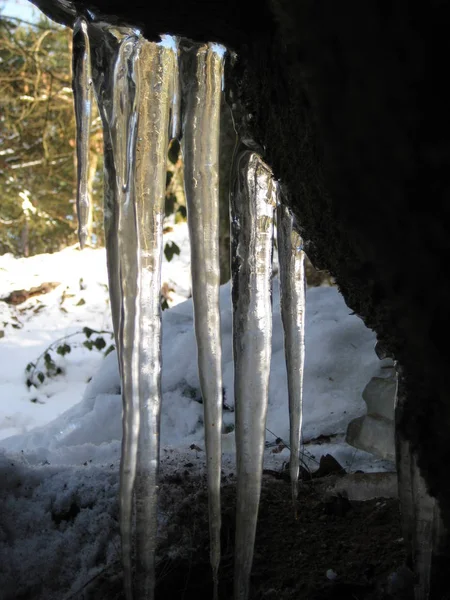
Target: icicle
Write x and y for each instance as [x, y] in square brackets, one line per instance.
[123, 137]
[201, 164]
[113, 69]
[173, 42]
[105, 42]
[176, 97]
[252, 230]
[156, 68]
[292, 300]
[133, 80]
[82, 93]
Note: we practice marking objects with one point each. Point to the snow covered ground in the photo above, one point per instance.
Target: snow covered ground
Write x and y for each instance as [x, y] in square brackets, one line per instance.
[60, 441]
[81, 300]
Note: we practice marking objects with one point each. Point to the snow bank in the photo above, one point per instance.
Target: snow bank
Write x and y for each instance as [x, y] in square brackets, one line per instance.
[58, 524]
[339, 362]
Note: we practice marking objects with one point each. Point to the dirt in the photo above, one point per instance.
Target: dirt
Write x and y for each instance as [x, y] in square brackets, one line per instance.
[19, 296]
[334, 548]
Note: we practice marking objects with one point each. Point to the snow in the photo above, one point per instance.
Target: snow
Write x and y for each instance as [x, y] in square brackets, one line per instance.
[60, 452]
[30, 327]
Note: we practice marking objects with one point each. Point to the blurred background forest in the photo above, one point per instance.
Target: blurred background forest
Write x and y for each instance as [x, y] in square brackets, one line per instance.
[37, 139]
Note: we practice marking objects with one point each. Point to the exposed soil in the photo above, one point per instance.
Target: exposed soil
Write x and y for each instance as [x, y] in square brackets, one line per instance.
[19, 296]
[359, 544]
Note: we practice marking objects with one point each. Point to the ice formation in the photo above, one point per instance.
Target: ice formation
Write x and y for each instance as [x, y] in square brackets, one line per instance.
[134, 82]
[253, 209]
[141, 88]
[201, 127]
[82, 92]
[292, 300]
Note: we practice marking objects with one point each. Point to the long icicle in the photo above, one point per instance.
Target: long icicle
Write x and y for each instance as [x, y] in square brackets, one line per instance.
[123, 135]
[155, 70]
[105, 41]
[252, 248]
[134, 83]
[175, 117]
[292, 299]
[201, 164]
[113, 62]
[82, 93]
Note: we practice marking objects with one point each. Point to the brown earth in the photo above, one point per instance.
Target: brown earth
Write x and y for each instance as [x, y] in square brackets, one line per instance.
[359, 541]
[19, 296]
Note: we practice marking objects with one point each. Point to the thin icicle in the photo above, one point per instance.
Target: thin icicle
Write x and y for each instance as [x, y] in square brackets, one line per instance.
[252, 230]
[105, 41]
[114, 52]
[134, 85]
[82, 93]
[201, 165]
[292, 299]
[176, 96]
[155, 70]
[123, 136]
[175, 114]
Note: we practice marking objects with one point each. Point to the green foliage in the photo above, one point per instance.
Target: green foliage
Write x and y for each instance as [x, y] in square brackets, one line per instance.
[63, 349]
[99, 343]
[170, 249]
[182, 212]
[174, 152]
[46, 363]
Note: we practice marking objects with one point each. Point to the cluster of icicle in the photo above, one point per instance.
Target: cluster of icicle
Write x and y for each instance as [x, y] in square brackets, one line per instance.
[140, 90]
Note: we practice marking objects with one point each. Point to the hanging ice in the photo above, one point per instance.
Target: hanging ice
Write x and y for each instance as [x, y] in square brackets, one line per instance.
[82, 92]
[252, 246]
[123, 137]
[292, 300]
[137, 87]
[201, 165]
[175, 116]
[105, 42]
[155, 78]
[134, 85]
[115, 81]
